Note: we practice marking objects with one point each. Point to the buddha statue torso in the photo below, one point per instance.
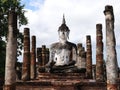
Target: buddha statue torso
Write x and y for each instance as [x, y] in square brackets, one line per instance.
[63, 54]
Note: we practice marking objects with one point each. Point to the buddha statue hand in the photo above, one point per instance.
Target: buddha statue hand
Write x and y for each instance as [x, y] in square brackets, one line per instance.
[49, 65]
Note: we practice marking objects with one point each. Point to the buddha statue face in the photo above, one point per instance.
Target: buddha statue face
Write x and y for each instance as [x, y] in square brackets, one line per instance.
[63, 35]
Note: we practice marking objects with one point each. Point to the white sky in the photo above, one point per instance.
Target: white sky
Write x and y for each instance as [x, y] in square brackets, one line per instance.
[45, 16]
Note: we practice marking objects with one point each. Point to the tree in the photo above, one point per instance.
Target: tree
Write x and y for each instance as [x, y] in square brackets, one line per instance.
[5, 6]
[2, 57]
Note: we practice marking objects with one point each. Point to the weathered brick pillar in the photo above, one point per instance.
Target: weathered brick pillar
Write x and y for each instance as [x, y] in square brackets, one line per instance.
[26, 56]
[88, 57]
[43, 55]
[39, 56]
[79, 58]
[83, 58]
[99, 53]
[111, 60]
[33, 59]
[47, 56]
[11, 52]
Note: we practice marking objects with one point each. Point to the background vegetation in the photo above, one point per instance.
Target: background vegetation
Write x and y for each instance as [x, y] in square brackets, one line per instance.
[5, 6]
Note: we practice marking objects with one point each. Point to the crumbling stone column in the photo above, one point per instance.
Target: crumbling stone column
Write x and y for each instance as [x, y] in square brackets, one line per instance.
[111, 60]
[88, 57]
[99, 53]
[39, 56]
[43, 55]
[11, 52]
[81, 56]
[47, 56]
[33, 58]
[26, 56]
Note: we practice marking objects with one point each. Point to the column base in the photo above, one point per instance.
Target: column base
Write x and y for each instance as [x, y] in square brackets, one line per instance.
[9, 87]
[112, 87]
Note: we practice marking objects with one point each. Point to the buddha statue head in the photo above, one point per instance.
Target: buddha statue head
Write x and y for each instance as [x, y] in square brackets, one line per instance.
[63, 31]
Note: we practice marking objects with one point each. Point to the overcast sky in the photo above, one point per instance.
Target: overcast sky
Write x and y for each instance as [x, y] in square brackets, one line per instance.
[45, 16]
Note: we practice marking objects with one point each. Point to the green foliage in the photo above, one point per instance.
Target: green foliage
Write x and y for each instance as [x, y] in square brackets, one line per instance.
[5, 6]
[2, 57]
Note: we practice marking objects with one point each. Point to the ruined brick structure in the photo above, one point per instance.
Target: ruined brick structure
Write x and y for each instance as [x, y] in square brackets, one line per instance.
[80, 75]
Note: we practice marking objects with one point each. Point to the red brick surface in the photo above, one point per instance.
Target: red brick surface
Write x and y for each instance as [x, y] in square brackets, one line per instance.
[60, 85]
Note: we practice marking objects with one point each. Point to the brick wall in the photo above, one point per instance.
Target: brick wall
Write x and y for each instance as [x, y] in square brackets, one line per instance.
[60, 86]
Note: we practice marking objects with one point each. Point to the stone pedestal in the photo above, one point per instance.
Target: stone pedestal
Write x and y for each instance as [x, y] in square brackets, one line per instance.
[10, 87]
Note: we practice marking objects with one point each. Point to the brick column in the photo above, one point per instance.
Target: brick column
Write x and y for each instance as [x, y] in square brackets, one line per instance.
[111, 60]
[26, 56]
[11, 52]
[99, 53]
[88, 57]
[39, 56]
[79, 58]
[47, 56]
[83, 58]
[33, 59]
[43, 55]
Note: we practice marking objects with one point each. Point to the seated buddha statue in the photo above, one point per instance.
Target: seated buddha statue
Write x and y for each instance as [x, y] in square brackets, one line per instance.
[63, 54]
